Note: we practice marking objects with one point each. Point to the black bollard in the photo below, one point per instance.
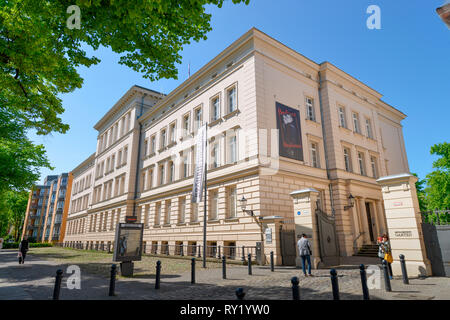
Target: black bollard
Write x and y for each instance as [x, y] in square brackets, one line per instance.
[404, 272]
[334, 284]
[224, 267]
[57, 289]
[112, 280]
[181, 250]
[193, 270]
[295, 288]
[158, 274]
[240, 294]
[365, 289]
[272, 267]
[387, 280]
[249, 263]
[218, 255]
[243, 253]
[199, 249]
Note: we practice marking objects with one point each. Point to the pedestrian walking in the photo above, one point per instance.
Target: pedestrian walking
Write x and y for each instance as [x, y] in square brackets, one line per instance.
[23, 248]
[305, 252]
[385, 253]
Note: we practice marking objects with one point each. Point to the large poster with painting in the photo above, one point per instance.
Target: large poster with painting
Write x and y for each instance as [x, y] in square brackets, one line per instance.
[290, 135]
[129, 242]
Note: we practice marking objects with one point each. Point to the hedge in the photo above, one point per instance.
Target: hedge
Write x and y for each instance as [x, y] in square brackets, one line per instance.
[15, 245]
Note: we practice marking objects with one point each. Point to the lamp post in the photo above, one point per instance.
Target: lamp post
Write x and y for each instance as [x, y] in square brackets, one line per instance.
[243, 203]
[351, 202]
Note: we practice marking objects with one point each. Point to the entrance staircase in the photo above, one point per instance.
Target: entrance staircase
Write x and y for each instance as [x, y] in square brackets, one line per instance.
[368, 250]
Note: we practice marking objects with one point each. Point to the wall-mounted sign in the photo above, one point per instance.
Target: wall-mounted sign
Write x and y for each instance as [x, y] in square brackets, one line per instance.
[403, 234]
[398, 204]
[290, 135]
[299, 213]
[268, 235]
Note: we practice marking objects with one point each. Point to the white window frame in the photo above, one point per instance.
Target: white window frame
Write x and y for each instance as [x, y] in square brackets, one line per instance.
[310, 110]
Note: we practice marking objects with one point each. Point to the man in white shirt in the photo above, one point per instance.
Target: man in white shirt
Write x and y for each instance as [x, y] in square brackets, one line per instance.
[304, 251]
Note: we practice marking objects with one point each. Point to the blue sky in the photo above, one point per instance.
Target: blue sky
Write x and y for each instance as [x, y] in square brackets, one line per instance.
[407, 61]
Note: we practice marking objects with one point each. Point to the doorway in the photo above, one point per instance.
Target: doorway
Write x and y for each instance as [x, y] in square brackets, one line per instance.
[370, 222]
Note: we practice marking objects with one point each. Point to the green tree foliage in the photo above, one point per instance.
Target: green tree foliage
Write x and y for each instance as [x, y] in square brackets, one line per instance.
[40, 54]
[4, 216]
[421, 195]
[438, 181]
[20, 159]
[16, 203]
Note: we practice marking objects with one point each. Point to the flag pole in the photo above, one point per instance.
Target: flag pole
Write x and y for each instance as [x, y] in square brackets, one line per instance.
[204, 205]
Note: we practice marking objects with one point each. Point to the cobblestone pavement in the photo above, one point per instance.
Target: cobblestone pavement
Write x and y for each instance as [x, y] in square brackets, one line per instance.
[35, 280]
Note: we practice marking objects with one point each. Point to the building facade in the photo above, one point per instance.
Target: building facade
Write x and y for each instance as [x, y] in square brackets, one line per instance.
[48, 204]
[277, 122]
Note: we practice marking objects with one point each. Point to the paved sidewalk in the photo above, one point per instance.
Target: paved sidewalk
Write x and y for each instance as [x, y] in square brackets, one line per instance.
[35, 280]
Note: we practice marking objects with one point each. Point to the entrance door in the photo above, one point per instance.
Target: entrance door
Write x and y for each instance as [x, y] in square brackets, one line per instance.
[370, 222]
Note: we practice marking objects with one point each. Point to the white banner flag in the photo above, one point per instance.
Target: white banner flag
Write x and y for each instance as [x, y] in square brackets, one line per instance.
[200, 160]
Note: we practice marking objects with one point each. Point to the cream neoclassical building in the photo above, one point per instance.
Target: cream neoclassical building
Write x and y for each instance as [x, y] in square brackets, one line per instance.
[144, 162]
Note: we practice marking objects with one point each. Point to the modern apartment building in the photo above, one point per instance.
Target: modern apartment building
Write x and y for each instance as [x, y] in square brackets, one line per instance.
[277, 122]
[48, 204]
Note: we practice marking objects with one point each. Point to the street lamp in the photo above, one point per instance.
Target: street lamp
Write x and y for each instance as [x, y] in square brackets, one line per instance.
[243, 202]
[351, 202]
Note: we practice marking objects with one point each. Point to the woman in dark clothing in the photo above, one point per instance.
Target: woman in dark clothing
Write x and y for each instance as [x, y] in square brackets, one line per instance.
[23, 248]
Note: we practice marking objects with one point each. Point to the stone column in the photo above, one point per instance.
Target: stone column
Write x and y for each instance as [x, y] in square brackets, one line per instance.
[404, 224]
[363, 218]
[272, 244]
[306, 222]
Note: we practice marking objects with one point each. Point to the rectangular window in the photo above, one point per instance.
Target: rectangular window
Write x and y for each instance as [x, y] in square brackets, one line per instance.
[215, 108]
[153, 144]
[232, 99]
[314, 155]
[215, 156]
[162, 142]
[342, 121]
[161, 174]
[198, 118]
[232, 149]
[186, 125]
[347, 160]
[356, 126]
[182, 210]
[214, 205]
[150, 179]
[125, 155]
[122, 185]
[310, 113]
[232, 202]
[171, 171]
[373, 163]
[157, 214]
[119, 158]
[145, 148]
[369, 129]
[168, 212]
[186, 166]
[362, 168]
[172, 133]
[128, 121]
